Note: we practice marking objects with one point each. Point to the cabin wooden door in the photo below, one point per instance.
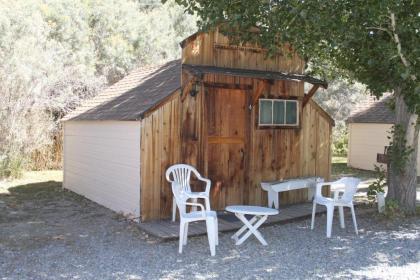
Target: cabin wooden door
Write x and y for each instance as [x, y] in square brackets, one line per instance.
[226, 139]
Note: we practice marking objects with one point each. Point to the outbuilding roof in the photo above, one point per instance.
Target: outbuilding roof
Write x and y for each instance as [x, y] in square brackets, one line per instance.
[145, 88]
[373, 111]
[132, 96]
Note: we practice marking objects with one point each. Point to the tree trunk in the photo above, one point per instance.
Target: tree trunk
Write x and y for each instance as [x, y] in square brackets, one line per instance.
[402, 183]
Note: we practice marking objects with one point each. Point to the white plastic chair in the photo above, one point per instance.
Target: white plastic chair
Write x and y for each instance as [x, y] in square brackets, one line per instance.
[210, 217]
[344, 190]
[181, 174]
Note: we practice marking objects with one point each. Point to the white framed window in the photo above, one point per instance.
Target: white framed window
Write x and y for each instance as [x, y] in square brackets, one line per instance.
[278, 112]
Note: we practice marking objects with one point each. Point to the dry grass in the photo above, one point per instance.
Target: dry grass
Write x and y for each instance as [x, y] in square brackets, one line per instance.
[31, 177]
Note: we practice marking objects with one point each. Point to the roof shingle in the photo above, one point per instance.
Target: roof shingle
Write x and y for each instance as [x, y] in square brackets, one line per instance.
[373, 111]
[129, 98]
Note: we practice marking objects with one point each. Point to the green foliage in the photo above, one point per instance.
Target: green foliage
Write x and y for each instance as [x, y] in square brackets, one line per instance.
[393, 209]
[11, 166]
[340, 169]
[380, 182]
[398, 151]
[373, 42]
[340, 145]
[339, 100]
[56, 53]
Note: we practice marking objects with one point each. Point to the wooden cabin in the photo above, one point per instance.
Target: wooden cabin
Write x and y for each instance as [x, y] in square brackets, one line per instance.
[237, 115]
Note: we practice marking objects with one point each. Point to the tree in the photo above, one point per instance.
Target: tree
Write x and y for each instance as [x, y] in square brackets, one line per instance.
[339, 100]
[56, 53]
[373, 42]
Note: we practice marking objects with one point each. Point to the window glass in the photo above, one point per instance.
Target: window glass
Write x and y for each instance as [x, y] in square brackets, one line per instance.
[278, 112]
[291, 112]
[266, 113]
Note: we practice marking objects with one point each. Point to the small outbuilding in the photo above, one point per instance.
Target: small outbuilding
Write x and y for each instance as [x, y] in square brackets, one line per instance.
[237, 115]
[369, 126]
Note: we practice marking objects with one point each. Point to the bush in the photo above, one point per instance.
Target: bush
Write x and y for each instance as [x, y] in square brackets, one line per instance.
[55, 54]
[11, 167]
[340, 145]
[378, 185]
[393, 209]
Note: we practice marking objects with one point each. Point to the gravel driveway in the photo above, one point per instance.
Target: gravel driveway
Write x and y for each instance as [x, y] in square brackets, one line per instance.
[47, 233]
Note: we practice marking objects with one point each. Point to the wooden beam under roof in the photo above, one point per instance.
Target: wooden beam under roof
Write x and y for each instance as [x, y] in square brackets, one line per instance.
[309, 95]
[256, 95]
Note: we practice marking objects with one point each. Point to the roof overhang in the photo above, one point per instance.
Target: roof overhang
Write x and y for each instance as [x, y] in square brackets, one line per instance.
[199, 70]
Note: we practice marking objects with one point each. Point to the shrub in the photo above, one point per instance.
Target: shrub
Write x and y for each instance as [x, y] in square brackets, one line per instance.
[11, 166]
[393, 209]
[55, 54]
[340, 145]
[378, 185]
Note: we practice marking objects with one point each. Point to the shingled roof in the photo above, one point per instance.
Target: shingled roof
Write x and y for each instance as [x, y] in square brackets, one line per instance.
[145, 88]
[373, 111]
[132, 96]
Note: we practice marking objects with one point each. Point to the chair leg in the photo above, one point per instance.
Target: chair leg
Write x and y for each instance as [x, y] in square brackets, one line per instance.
[330, 216]
[353, 214]
[173, 209]
[341, 212]
[181, 236]
[217, 231]
[185, 233]
[211, 236]
[313, 215]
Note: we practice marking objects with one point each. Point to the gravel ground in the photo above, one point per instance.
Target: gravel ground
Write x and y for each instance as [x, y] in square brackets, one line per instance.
[46, 233]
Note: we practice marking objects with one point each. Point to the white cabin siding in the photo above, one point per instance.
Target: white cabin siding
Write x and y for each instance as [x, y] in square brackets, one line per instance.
[102, 163]
[366, 140]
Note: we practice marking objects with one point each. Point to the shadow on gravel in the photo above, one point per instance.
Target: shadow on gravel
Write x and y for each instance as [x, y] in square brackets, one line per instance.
[49, 233]
[43, 190]
[32, 200]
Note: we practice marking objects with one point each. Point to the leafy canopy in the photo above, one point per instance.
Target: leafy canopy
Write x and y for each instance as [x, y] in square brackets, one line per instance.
[374, 42]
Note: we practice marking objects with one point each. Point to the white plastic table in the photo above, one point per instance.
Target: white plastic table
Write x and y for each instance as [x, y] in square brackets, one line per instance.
[260, 216]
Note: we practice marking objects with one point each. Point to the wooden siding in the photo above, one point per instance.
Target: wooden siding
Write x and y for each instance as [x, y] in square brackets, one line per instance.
[282, 153]
[102, 163]
[160, 148]
[213, 48]
[269, 154]
[201, 130]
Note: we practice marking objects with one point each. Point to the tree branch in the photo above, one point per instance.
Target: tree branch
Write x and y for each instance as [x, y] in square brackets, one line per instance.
[381, 29]
[398, 42]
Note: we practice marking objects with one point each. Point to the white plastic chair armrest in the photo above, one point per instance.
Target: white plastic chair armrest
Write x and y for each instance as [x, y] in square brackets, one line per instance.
[319, 186]
[207, 181]
[208, 185]
[196, 195]
[199, 205]
[332, 184]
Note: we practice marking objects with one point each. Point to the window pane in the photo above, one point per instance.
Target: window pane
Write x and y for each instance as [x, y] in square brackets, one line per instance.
[266, 112]
[278, 114]
[291, 112]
